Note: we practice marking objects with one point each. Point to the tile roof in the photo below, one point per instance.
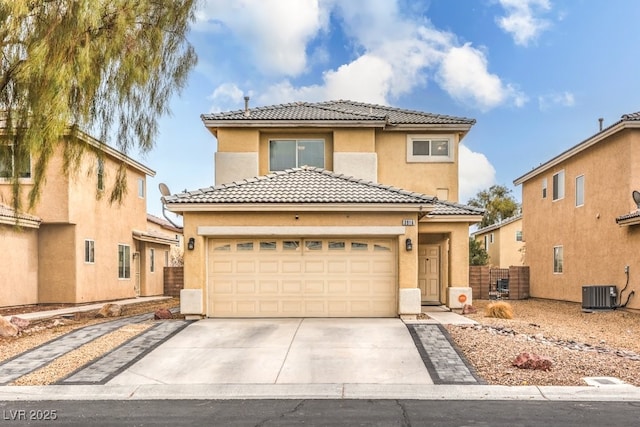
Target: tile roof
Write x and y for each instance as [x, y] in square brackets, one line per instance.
[450, 208]
[8, 214]
[341, 110]
[301, 185]
[631, 116]
[315, 185]
[163, 223]
[627, 217]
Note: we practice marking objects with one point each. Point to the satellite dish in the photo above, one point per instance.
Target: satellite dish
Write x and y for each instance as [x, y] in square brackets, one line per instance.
[636, 198]
[164, 190]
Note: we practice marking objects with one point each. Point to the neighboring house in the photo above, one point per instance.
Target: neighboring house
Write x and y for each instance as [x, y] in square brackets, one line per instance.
[173, 255]
[88, 249]
[581, 223]
[326, 210]
[503, 242]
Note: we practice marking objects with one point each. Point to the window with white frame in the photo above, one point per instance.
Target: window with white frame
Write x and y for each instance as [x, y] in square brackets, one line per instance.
[89, 251]
[11, 161]
[152, 260]
[430, 148]
[558, 186]
[486, 242]
[124, 262]
[558, 259]
[544, 188]
[519, 236]
[580, 190]
[491, 238]
[141, 188]
[293, 153]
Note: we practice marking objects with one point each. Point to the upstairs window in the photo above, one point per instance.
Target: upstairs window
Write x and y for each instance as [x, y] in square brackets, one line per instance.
[544, 188]
[10, 162]
[558, 186]
[152, 260]
[426, 148]
[519, 236]
[580, 190]
[141, 188]
[89, 251]
[100, 173]
[293, 153]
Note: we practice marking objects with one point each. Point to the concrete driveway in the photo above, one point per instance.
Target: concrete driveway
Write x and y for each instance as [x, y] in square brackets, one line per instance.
[283, 351]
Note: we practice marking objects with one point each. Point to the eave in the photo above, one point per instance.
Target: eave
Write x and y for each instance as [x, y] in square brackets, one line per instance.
[611, 130]
[299, 207]
[470, 219]
[153, 238]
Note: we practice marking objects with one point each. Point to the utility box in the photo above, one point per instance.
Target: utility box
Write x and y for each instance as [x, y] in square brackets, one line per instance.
[599, 297]
[459, 297]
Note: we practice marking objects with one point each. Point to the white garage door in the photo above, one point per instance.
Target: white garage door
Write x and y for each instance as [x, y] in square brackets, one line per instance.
[288, 277]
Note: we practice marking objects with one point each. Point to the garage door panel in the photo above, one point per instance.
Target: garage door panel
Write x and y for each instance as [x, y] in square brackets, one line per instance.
[302, 278]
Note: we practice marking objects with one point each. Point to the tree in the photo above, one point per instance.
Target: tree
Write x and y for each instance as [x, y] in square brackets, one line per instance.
[497, 203]
[477, 254]
[109, 67]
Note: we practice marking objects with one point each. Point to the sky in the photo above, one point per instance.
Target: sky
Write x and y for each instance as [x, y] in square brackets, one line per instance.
[536, 75]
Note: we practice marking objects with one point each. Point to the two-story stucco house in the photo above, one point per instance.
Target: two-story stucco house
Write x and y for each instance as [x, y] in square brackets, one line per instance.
[75, 246]
[330, 209]
[503, 242]
[581, 223]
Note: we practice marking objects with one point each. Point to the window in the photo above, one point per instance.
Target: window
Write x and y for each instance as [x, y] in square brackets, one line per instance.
[491, 238]
[292, 153]
[313, 245]
[244, 246]
[519, 236]
[166, 258]
[425, 148]
[486, 242]
[100, 172]
[558, 186]
[557, 259]
[141, 188]
[359, 246]
[544, 188]
[89, 251]
[290, 245]
[580, 190]
[337, 245]
[124, 261]
[268, 246]
[10, 161]
[152, 260]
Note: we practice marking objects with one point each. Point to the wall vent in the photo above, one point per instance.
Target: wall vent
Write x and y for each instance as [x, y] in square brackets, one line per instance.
[601, 297]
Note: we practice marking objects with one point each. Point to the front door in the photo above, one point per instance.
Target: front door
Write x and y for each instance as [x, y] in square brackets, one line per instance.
[136, 267]
[429, 273]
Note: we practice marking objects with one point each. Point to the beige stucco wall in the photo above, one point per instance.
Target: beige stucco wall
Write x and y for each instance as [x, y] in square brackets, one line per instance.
[19, 278]
[195, 260]
[426, 178]
[57, 257]
[152, 282]
[596, 249]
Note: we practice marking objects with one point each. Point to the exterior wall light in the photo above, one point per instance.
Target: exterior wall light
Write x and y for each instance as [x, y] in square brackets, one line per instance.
[192, 243]
[408, 245]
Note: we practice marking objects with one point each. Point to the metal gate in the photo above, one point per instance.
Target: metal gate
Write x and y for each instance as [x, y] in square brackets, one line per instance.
[499, 283]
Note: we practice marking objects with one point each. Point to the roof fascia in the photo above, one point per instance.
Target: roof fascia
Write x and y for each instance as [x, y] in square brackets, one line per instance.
[611, 130]
[306, 207]
[20, 222]
[471, 219]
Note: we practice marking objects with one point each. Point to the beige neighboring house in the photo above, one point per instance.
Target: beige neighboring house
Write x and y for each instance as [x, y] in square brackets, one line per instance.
[330, 209]
[503, 242]
[76, 246]
[581, 223]
[173, 255]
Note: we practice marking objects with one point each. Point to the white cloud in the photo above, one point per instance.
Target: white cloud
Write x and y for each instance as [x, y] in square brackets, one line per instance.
[227, 94]
[392, 54]
[562, 99]
[464, 75]
[476, 173]
[521, 20]
[276, 32]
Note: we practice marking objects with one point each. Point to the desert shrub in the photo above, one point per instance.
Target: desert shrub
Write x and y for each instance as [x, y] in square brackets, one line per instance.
[500, 310]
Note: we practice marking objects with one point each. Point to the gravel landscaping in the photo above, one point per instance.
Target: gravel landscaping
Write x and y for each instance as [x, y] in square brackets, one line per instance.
[600, 344]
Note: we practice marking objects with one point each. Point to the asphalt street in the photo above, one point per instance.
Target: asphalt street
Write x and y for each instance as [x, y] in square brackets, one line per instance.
[294, 412]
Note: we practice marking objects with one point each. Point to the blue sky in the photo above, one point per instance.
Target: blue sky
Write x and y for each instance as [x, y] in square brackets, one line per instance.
[535, 74]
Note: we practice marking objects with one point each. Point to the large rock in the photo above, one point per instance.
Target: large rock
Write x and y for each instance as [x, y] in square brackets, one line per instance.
[110, 310]
[532, 361]
[7, 329]
[20, 323]
[468, 309]
[163, 313]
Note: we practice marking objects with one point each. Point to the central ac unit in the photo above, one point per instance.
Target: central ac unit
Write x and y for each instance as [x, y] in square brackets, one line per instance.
[600, 297]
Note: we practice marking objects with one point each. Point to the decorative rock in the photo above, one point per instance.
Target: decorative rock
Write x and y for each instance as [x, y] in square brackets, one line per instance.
[163, 313]
[532, 361]
[7, 329]
[468, 309]
[20, 323]
[110, 310]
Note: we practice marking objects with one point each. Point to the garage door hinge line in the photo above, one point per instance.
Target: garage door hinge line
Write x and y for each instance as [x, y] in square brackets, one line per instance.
[288, 350]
